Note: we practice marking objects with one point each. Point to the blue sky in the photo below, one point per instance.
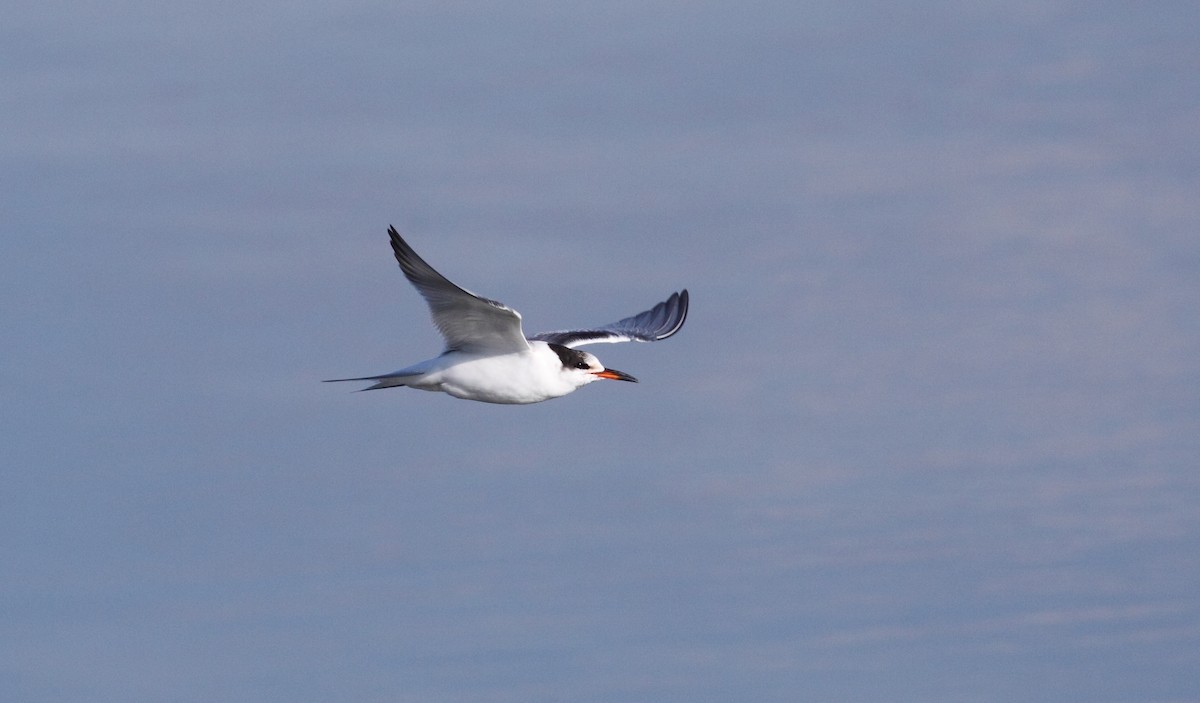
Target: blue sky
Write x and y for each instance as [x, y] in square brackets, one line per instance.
[930, 433]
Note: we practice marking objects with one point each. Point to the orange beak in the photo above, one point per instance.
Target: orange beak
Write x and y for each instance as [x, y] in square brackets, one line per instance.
[614, 375]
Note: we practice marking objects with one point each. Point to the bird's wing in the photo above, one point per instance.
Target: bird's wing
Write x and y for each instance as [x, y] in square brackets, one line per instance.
[467, 321]
[659, 322]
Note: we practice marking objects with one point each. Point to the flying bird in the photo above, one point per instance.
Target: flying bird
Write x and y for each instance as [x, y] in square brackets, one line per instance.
[488, 357]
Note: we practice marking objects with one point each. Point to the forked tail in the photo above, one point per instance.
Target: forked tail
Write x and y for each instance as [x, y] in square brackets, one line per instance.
[385, 381]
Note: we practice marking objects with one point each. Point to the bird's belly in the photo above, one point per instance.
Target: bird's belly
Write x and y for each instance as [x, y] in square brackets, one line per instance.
[506, 379]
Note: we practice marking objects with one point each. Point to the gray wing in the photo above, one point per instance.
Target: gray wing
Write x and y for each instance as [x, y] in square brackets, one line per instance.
[659, 322]
[467, 321]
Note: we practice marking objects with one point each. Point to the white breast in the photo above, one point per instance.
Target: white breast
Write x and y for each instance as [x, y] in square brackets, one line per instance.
[523, 377]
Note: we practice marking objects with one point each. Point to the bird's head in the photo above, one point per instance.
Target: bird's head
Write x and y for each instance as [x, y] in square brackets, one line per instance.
[581, 368]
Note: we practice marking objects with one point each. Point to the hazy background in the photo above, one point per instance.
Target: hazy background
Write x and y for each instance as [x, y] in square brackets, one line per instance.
[931, 432]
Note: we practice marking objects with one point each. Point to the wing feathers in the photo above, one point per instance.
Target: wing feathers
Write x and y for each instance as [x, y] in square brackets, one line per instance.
[659, 322]
[468, 322]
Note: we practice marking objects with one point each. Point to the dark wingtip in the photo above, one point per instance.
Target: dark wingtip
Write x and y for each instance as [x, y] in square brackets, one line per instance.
[405, 255]
[397, 241]
[680, 301]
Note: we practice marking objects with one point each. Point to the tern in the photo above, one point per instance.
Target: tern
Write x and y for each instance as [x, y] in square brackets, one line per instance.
[488, 358]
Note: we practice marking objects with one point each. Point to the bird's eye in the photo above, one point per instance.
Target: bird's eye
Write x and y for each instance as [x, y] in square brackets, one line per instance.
[582, 365]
